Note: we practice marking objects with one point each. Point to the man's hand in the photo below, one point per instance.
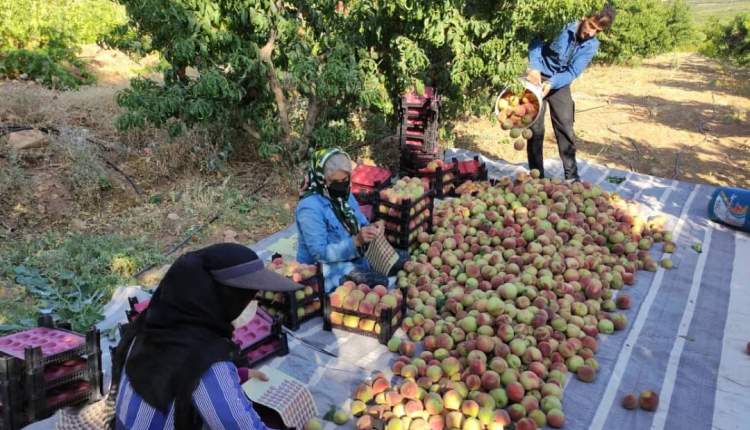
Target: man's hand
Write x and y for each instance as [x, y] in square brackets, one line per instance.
[534, 76]
[545, 89]
[256, 374]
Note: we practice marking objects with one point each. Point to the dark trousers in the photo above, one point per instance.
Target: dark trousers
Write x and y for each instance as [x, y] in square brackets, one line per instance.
[562, 110]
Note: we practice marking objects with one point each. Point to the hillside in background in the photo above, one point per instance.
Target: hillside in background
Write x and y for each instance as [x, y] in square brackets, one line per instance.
[722, 9]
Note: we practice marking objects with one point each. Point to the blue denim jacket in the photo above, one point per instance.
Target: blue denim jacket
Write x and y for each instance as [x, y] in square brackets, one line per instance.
[564, 59]
[324, 239]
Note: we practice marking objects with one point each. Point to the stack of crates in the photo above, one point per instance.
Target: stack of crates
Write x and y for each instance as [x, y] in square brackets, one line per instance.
[418, 134]
[46, 368]
[406, 219]
[258, 339]
[367, 181]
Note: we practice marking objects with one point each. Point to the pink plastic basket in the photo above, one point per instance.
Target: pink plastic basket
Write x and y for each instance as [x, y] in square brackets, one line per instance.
[52, 341]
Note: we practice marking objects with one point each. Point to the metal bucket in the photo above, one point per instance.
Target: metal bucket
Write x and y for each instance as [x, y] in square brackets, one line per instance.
[535, 90]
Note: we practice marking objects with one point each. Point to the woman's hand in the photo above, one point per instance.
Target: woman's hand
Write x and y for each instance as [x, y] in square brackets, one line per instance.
[367, 234]
[256, 374]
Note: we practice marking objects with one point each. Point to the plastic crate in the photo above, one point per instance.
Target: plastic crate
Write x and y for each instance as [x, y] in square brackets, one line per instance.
[402, 220]
[367, 180]
[385, 320]
[412, 162]
[286, 304]
[471, 170]
[46, 368]
[368, 211]
[275, 346]
[12, 414]
[419, 122]
[443, 179]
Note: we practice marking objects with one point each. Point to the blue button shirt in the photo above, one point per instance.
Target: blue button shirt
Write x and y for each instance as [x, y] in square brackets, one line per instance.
[219, 400]
[565, 58]
[324, 239]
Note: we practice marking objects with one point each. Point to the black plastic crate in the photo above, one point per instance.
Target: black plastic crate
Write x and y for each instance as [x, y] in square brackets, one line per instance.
[398, 218]
[47, 376]
[443, 180]
[385, 320]
[412, 162]
[286, 307]
[12, 415]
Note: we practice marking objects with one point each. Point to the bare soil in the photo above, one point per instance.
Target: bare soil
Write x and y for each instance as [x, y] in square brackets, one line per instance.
[677, 116]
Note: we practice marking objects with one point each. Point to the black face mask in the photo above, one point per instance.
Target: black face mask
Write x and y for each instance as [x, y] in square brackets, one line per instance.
[339, 189]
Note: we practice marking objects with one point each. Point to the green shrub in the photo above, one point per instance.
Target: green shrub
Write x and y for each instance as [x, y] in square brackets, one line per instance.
[41, 38]
[644, 28]
[729, 41]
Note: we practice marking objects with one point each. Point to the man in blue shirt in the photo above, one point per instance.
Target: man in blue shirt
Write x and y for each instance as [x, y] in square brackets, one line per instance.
[555, 65]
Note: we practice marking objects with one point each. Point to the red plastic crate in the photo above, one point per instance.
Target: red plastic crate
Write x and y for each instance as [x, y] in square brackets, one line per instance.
[413, 98]
[369, 176]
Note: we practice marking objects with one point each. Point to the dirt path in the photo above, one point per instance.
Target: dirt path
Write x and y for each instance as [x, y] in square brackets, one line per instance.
[676, 116]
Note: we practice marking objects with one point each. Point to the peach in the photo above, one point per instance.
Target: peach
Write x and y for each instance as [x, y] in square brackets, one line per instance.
[407, 348]
[648, 400]
[540, 419]
[473, 382]
[358, 407]
[393, 397]
[365, 422]
[451, 366]
[585, 373]
[363, 392]
[556, 418]
[433, 404]
[516, 411]
[454, 420]
[526, 424]
[515, 391]
[623, 301]
[630, 401]
[452, 400]
[409, 371]
[490, 380]
[436, 422]
[413, 408]
[471, 424]
[530, 403]
[410, 390]
[380, 384]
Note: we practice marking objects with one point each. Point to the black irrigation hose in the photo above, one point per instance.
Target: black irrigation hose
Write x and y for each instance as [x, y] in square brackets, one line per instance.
[194, 232]
[51, 130]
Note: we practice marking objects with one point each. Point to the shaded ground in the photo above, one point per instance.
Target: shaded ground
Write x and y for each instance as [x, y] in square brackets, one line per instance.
[677, 116]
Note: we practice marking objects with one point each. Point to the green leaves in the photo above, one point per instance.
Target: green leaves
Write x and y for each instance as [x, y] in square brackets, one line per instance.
[335, 71]
[645, 28]
[731, 40]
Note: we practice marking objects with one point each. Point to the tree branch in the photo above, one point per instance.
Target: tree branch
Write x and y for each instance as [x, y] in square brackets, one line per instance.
[266, 53]
[313, 110]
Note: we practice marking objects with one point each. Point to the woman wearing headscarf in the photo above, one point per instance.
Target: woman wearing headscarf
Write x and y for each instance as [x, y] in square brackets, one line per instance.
[332, 229]
[175, 363]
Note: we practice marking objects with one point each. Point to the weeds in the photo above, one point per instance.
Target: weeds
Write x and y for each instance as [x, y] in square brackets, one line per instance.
[71, 275]
[88, 175]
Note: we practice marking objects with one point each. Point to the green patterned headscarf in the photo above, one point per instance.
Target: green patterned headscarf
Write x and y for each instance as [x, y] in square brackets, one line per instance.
[316, 184]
